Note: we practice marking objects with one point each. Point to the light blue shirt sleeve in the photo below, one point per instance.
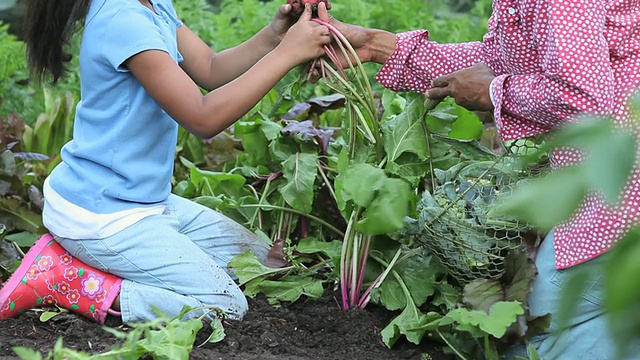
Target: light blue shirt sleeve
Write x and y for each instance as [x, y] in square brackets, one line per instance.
[129, 33]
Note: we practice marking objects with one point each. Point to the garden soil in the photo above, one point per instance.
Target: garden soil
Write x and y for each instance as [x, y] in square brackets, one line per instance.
[303, 330]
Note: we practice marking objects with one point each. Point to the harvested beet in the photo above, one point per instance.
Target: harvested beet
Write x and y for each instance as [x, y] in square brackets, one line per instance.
[298, 6]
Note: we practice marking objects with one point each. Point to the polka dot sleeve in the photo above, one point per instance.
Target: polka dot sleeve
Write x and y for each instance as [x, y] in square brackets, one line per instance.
[417, 61]
[576, 75]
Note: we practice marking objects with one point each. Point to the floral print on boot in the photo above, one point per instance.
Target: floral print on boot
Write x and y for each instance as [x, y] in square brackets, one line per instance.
[49, 275]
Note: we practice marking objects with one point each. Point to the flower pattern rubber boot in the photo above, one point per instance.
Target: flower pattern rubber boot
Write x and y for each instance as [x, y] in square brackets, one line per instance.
[50, 276]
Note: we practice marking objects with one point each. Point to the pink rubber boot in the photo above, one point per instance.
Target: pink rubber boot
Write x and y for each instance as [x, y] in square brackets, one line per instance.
[49, 275]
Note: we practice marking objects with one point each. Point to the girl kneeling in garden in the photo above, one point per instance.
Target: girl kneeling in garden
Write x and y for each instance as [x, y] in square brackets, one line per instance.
[120, 242]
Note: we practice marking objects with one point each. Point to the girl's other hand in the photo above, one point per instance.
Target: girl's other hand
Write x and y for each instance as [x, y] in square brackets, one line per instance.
[305, 40]
[281, 23]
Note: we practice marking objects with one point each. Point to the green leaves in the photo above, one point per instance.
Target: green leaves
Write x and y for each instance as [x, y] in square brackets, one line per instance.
[386, 212]
[405, 133]
[495, 323]
[385, 199]
[412, 324]
[53, 127]
[623, 290]
[300, 170]
[255, 277]
[359, 184]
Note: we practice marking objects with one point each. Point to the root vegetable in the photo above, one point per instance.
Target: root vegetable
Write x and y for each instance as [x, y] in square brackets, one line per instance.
[298, 6]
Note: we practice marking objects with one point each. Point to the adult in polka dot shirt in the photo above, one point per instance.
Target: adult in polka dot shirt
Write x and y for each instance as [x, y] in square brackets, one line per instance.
[542, 63]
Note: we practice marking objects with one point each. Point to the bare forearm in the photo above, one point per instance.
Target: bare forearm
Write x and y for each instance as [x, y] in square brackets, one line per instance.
[380, 44]
[225, 105]
[228, 64]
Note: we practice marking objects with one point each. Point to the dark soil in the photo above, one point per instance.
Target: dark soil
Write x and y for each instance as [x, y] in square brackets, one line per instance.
[303, 330]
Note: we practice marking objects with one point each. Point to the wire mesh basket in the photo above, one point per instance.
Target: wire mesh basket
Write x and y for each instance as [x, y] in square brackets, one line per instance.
[458, 222]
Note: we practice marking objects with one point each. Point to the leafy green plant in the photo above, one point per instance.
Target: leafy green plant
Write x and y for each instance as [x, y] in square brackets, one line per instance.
[20, 197]
[53, 128]
[165, 337]
[15, 94]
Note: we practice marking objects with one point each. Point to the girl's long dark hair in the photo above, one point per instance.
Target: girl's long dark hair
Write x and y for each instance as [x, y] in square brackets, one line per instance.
[49, 25]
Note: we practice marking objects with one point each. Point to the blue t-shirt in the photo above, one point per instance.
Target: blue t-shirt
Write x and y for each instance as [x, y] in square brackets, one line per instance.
[122, 152]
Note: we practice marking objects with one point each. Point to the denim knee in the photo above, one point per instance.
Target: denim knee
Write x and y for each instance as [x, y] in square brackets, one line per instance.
[232, 301]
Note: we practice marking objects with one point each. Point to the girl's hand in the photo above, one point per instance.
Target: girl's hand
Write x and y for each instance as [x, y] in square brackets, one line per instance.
[305, 40]
[281, 23]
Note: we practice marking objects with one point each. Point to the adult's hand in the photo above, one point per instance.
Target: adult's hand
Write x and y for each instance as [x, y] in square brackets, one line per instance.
[469, 87]
[371, 45]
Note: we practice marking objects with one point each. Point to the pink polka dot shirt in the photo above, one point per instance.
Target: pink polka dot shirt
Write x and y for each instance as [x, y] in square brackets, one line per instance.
[554, 59]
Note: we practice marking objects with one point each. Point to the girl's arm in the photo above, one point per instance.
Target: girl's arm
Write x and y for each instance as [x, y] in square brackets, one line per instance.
[207, 115]
[211, 70]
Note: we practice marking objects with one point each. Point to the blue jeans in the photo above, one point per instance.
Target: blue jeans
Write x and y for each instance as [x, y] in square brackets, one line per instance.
[174, 259]
[586, 336]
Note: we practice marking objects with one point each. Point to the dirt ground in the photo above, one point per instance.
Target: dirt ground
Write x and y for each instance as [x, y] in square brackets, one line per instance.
[300, 331]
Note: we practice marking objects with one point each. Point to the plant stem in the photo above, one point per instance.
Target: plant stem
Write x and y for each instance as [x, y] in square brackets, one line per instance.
[451, 346]
[344, 263]
[366, 297]
[294, 211]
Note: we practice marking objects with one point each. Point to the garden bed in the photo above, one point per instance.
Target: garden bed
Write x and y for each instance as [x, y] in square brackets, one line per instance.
[303, 330]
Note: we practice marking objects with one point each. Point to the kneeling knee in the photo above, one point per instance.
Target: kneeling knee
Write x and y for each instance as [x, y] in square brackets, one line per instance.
[231, 301]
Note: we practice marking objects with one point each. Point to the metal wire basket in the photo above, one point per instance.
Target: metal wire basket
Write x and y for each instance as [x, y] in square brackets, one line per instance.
[457, 220]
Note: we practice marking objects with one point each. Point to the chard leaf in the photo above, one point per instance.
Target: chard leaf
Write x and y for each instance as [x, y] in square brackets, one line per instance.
[248, 268]
[470, 149]
[13, 215]
[23, 239]
[173, 341]
[418, 274]
[289, 289]
[217, 333]
[270, 129]
[386, 212]
[515, 286]
[393, 104]
[332, 249]
[411, 323]
[281, 151]
[446, 295]
[359, 184]
[467, 126]
[300, 170]
[408, 167]
[254, 141]
[218, 183]
[501, 315]
[391, 296]
[26, 353]
[405, 133]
